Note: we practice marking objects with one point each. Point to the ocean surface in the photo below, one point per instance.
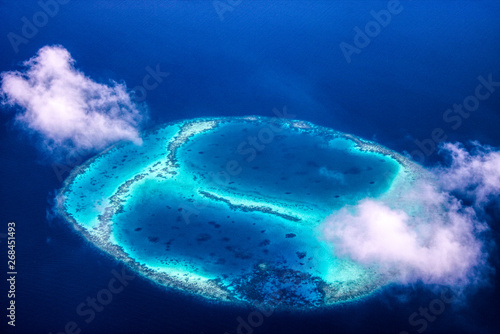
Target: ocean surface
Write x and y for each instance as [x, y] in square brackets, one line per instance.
[249, 59]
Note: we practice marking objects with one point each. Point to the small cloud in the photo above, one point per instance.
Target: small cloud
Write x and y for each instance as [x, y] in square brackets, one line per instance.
[69, 111]
[427, 234]
[475, 174]
[406, 249]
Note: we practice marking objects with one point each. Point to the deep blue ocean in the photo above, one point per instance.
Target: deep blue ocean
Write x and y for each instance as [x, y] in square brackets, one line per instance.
[250, 58]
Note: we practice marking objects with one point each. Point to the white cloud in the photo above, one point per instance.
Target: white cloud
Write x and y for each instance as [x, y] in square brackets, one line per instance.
[70, 112]
[427, 234]
[475, 175]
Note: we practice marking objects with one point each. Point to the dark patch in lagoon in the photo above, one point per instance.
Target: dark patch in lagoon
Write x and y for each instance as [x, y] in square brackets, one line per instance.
[214, 224]
[265, 242]
[353, 170]
[203, 237]
[153, 239]
[301, 255]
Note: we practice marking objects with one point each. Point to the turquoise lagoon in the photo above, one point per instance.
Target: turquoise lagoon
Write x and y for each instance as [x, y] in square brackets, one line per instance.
[229, 208]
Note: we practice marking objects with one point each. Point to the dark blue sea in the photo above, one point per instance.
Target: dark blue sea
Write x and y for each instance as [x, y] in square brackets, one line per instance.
[236, 58]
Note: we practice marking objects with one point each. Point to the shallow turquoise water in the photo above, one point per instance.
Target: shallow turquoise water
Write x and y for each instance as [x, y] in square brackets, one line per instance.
[229, 208]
